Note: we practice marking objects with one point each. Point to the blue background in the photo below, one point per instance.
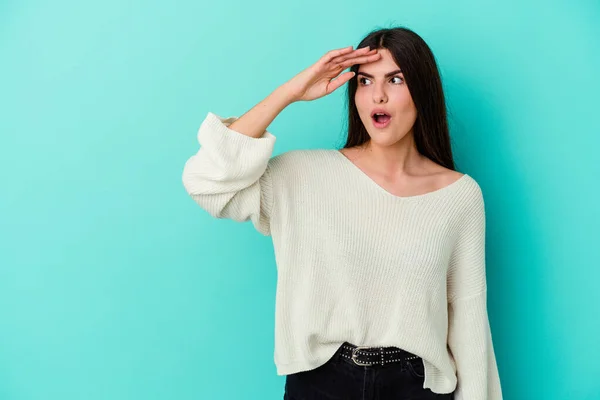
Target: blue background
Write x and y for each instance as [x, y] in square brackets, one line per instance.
[114, 284]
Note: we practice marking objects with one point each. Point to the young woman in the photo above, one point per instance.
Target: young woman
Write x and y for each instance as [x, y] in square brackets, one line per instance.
[379, 246]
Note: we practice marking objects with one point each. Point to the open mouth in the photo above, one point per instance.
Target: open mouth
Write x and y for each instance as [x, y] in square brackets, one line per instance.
[381, 120]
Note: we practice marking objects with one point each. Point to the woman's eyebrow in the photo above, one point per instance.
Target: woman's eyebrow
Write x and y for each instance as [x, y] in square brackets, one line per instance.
[386, 75]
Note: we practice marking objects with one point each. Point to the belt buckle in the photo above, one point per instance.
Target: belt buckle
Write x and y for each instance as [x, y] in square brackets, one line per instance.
[354, 355]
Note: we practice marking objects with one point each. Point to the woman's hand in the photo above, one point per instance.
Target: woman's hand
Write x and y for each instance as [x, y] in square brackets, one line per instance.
[318, 80]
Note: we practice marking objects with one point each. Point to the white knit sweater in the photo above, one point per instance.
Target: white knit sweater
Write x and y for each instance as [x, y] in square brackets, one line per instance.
[356, 263]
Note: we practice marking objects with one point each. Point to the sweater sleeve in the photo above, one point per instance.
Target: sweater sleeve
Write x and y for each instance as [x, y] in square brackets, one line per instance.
[469, 333]
[229, 176]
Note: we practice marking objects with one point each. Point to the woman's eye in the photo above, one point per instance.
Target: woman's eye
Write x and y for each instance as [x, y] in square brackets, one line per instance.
[362, 80]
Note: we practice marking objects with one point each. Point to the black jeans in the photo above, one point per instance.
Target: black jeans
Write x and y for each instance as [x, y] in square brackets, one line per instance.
[342, 379]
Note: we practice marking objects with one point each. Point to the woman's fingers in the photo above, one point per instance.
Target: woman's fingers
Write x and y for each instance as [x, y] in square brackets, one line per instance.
[360, 60]
[308, 83]
[339, 81]
[356, 53]
[334, 53]
[345, 60]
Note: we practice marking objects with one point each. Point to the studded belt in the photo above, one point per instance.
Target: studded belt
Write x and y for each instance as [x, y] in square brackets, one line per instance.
[363, 355]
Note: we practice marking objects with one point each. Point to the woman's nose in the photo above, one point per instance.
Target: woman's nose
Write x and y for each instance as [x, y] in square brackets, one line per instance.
[379, 95]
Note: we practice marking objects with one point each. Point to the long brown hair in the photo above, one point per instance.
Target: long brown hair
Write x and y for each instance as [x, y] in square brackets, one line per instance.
[418, 64]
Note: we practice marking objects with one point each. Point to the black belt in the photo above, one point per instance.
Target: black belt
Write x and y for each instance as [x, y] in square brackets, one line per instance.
[363, 355]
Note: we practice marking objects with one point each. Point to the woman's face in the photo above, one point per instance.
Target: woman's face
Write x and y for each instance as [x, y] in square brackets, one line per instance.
[378, 89]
